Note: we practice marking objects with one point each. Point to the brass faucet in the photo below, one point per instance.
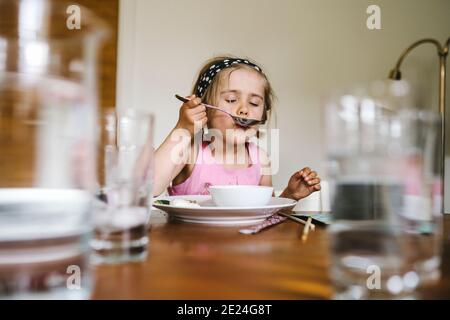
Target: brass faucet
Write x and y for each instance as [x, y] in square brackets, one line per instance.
[395, 74]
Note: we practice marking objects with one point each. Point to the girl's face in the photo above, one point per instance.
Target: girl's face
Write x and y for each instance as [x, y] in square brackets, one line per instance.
[241, 92]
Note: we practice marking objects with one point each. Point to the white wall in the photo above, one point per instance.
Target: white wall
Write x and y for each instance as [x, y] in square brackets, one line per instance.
[306, 47]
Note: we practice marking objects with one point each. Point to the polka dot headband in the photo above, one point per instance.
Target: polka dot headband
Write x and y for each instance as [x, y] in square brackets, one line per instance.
[206, 78]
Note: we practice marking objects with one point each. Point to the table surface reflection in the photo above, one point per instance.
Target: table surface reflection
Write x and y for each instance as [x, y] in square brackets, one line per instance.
[188, 261]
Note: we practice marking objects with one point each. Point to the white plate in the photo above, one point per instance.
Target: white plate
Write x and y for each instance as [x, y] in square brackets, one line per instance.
[209, 213]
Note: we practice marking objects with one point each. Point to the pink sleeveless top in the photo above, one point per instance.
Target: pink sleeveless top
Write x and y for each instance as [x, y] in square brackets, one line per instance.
[207, 172]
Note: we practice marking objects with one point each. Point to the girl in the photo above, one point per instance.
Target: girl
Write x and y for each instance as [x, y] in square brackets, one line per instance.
[241, 88]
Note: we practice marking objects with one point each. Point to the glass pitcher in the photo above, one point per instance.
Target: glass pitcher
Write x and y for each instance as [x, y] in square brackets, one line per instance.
[385, 239]
[48, 114]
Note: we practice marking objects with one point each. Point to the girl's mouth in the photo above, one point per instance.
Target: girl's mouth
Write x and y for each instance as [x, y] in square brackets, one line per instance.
[241, 127]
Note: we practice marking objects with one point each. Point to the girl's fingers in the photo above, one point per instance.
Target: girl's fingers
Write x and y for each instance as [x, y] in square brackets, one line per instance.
[298, 174]
[317, 187]
[198, 109]
[311, 176]
[305, 172]
[199, 116]
[313, 181]
[193, 103]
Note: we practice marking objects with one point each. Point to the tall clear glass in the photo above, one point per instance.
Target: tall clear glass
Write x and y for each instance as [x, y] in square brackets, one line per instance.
[386, 235]
[126, 184]
[48, 115]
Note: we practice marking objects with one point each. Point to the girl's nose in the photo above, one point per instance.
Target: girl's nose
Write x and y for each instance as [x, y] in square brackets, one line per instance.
[242, 110]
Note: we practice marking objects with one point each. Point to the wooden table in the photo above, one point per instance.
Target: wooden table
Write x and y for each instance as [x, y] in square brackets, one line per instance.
[188, 261]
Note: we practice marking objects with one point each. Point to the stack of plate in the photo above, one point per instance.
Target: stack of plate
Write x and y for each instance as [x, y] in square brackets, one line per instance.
[208, 213]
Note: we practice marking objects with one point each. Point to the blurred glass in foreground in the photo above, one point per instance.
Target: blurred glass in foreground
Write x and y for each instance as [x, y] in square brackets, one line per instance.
[386, 199]
[126, 179]
[48, 149]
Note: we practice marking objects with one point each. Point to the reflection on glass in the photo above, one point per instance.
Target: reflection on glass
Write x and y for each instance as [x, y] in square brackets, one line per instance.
[385, 196]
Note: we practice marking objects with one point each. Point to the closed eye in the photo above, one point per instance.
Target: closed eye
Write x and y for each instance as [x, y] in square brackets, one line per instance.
[230, 100]
[254, 104]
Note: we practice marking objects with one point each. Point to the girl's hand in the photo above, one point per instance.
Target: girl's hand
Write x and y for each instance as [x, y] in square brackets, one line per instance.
[302, 184]
[192, 115]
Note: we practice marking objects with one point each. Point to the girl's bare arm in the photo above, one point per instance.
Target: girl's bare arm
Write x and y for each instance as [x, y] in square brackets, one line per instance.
[174, 153]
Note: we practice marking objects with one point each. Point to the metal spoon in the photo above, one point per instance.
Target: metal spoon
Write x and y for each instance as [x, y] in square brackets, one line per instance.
[243, 122]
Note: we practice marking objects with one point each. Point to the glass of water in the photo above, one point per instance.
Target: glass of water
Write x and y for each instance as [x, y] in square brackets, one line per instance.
[126, 175]
[386, 197]
[48, 113]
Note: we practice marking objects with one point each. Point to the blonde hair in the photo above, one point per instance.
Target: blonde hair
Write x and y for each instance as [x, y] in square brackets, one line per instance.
[210, 94]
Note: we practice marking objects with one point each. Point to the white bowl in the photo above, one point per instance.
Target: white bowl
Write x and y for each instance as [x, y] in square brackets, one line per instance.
[241, 196]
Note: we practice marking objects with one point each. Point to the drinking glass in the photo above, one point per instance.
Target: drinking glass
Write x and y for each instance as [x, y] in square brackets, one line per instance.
[126, 180]
[385, 188]
[48, 149]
